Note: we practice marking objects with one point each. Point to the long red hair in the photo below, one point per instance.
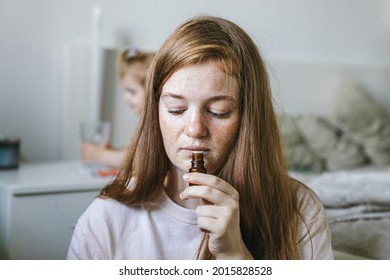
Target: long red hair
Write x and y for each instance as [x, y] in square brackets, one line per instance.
[256, 166]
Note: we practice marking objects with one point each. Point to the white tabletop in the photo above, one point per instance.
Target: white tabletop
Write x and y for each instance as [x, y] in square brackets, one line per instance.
[50, 177]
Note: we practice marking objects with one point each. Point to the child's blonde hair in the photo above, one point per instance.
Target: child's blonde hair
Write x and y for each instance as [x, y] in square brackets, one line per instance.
[132, 55]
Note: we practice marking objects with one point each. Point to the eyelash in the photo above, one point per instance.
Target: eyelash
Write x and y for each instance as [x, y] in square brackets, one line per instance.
[176, 112]
[219, 116]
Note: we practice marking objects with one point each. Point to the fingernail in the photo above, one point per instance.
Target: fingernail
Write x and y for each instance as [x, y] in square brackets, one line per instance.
[186, 176]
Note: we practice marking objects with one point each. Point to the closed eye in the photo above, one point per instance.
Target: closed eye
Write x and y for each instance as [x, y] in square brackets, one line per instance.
[130, 91]
[176, 112]
[213, 114]
[219, 115]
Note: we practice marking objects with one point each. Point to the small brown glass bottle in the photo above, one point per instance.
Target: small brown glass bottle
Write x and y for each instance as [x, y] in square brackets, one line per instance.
[197, 163]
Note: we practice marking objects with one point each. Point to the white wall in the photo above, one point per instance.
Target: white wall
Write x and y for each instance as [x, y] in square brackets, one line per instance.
[34, 34]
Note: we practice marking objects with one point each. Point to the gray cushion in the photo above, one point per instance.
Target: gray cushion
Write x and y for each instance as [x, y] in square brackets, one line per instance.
[329, 143]
[365, 121]
[298, 154]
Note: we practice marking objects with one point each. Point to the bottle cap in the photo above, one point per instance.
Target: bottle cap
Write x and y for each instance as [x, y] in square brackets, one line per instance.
[197, 156]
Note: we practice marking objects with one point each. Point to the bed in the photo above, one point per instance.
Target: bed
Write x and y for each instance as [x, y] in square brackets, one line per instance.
[335, 124]
[357, 203]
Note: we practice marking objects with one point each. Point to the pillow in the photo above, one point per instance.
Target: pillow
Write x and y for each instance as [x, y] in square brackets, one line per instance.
[298, 154]
[365, 121]
[328, 142]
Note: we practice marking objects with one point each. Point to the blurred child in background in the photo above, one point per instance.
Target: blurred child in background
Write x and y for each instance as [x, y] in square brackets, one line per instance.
[132, 66]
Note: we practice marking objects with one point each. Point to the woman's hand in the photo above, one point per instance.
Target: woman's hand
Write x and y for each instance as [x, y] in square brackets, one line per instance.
[220, 217]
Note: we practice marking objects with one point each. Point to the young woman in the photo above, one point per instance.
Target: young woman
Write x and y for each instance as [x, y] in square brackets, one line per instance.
[208, 91]
[132, 65]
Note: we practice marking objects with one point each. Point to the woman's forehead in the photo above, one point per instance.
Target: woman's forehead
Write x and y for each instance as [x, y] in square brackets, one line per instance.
[201, 78]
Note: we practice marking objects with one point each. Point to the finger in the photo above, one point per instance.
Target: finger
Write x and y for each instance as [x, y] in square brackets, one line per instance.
[207, 224]
[207, 193]
[210, 180]
[212, 225]
[210, 211]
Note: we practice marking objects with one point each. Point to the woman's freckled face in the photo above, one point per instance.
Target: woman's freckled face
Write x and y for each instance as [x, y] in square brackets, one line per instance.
[198, 110]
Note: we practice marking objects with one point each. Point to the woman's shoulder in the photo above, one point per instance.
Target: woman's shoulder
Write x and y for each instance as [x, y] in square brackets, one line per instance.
[314, 239]
[101, 223]
[106, 216]
[105, 204]
[106, 209]
[309, 205]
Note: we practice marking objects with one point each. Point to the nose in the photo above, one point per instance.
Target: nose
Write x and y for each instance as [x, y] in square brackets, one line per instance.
[196, 126]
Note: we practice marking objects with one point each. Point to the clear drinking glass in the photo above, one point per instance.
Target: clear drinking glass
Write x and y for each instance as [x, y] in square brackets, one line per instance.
[97, 133]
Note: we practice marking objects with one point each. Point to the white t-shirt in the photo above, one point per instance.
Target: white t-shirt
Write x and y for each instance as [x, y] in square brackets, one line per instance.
[165, 230]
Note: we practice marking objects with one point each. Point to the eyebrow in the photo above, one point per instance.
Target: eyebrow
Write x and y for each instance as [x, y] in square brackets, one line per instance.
[173, 95]
[214, 98]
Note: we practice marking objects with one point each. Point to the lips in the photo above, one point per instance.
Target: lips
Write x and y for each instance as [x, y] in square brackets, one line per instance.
[196, 149]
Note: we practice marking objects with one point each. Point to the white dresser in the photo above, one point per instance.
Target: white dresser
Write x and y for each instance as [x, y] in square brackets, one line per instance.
[39, 206]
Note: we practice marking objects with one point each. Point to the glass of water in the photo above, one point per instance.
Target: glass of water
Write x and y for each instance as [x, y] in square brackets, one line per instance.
[95, 132]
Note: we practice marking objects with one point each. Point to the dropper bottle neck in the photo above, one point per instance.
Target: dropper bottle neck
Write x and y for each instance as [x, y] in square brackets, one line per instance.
[197, 163]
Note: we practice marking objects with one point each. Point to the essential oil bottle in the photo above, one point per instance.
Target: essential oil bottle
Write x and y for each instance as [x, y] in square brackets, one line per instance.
[197, 163]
